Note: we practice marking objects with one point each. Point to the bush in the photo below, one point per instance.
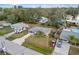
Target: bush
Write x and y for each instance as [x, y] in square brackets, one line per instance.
[52, 34]
[73, 40]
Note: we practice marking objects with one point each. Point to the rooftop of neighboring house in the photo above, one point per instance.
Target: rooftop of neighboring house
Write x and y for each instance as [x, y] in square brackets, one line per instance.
[76, 20]
[4, 23]
[42, 29]
[21, 24]
[69, 17]
[42, 19]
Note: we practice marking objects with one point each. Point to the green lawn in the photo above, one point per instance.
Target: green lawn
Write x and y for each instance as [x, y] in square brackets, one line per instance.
[45, 51]
[17, 35]
[74, 51]
[5, 30]
[39, 43]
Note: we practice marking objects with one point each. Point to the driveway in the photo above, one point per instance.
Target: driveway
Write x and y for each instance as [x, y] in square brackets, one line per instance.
[16, 49]
[64, 50]
[22, 39]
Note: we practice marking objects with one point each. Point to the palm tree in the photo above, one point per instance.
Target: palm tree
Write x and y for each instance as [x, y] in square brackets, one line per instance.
[72, 39]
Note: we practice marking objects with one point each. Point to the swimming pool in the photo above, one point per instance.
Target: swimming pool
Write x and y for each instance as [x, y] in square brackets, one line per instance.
[75, 30]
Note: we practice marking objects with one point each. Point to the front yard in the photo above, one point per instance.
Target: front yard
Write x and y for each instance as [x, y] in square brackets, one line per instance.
[5, 30]
[39, 43]
[17, 35]
[74, 51]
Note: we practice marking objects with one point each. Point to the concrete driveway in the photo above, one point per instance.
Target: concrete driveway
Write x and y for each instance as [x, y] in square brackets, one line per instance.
[22, 39]
[64, 50]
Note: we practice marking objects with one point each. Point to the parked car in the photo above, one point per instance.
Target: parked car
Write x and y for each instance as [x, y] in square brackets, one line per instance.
[59, 43]
[53, 43]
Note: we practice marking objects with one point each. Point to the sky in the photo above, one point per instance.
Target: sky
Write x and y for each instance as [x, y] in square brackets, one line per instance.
[40, 5]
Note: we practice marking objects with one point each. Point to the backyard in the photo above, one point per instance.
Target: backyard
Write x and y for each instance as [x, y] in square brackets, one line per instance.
[74, 51]
[5, 30]
[17, 35]
[39, 43]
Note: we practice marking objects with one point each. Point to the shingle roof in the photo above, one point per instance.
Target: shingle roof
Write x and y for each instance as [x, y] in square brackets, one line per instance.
[21, 24]
[42, 29]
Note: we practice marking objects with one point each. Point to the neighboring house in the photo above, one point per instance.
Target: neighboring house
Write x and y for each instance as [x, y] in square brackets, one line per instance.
[46, 31]
[4, 23]
[77, 17]
[69, 17]
[69, 31]
[75, 21]
[19, 27]
[42, 20]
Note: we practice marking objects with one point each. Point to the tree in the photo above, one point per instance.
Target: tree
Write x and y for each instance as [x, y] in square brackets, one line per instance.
[12, 18]
[52, 34]
[54, 21]
[2, 16]
[72, 39]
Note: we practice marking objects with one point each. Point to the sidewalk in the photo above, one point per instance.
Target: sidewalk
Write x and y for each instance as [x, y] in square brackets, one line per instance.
[9, 34]
[22, 39]
[64, 50]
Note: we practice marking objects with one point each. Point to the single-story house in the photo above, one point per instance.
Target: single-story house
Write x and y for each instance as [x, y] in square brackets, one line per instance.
[69, 17]
[69, 31]
[42, 29]
[77, 17]
[42, 20]
[19, 27]
[75, 21]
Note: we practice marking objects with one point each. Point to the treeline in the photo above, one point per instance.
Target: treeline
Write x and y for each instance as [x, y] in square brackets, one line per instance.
[29, 15]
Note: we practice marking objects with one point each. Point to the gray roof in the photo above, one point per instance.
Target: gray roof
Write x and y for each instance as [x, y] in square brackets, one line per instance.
[21, 24]
[42, 29]
[65, 34]
[43, 20]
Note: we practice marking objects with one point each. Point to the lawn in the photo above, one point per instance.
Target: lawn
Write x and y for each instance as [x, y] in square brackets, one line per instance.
[17, 35]
[5, 30]
[40, 44]
[74, 51]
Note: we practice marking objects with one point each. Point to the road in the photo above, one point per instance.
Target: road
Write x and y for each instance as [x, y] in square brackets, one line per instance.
[16, 49]
[64, 50]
